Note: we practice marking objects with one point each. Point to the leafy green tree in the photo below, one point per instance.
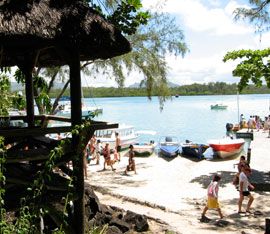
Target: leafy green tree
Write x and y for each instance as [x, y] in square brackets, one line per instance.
[151, 44]
[254, 64]
[9, 99]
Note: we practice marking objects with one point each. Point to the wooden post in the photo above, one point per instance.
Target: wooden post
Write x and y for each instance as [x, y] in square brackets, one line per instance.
[29, 92]
[76, 118]
[267, 226]
[249, 155]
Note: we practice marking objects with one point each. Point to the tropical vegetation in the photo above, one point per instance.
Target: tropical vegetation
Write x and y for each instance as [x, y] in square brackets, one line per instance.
[254, 64]
[213, 88]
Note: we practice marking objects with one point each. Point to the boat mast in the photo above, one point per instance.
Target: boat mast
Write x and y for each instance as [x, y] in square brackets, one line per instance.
[238, 113]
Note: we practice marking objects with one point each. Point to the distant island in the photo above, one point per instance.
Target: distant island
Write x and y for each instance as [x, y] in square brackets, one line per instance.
[213, 88]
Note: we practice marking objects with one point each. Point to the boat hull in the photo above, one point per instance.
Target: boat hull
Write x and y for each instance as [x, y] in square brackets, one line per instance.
[143, 150]
[227, 148]
[169, 150]
[194, 150]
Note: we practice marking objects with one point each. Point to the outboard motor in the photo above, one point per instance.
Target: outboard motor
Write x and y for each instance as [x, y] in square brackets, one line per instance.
[229, 127]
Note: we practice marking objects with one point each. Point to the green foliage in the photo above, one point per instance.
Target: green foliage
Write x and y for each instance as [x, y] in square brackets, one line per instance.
[9, 99]
[5, 101]
[254, 66]
[151, 44]
[125, 15]
[257, 14]
[41, 89]
[212, 88]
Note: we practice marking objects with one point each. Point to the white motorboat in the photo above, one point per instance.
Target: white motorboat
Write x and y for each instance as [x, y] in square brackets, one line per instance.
[144, 149]
[64, 109]
[126, 133]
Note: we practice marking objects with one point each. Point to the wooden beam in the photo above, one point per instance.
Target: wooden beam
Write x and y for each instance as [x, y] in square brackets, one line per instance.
[23, 132]
[17, 132]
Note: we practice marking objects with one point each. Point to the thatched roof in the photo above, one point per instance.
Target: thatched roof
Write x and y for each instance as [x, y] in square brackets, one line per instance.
[50, 27]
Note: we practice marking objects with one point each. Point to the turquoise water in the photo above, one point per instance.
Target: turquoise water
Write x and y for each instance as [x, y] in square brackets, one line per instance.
[187, 117]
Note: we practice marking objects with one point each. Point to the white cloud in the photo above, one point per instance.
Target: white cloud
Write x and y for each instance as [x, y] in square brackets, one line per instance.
[201, 18]
[200, 70]
[211, 32]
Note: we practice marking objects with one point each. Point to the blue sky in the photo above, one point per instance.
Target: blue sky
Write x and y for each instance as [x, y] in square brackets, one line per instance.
[210, 31]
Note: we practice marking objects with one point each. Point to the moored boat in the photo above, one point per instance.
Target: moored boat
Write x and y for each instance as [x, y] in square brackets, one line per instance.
[65, 110]
[126, 133]
[191, 149]
[169, 146]
[218, 107]
[144, 149]
[227, 147]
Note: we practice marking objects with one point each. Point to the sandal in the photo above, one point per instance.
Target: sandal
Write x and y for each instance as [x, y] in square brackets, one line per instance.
[241, 212]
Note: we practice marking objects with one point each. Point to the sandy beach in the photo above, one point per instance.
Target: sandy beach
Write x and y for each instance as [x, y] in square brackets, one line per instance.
[172, 193]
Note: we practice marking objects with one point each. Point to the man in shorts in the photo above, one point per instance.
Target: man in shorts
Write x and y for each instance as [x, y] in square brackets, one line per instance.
[118, 145]
[244, 187]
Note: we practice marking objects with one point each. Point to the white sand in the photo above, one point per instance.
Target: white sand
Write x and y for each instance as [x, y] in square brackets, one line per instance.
[175, 191]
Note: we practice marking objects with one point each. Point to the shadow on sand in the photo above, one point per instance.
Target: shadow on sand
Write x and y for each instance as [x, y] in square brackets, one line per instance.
[168, 159]
[260, 179]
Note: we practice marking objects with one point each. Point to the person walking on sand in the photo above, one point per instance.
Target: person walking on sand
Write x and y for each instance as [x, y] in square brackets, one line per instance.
[131, 162]
[99, 149]
[118, 145]
[107, 157]
[244, 187]
[212, 198]
[242, 162]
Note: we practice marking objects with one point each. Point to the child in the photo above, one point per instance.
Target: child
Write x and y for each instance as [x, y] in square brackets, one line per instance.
[212, 201]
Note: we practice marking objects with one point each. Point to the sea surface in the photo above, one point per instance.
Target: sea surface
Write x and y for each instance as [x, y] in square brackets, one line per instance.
[186, 117]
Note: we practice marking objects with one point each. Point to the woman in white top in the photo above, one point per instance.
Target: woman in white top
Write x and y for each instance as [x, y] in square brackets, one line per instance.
[244, 187]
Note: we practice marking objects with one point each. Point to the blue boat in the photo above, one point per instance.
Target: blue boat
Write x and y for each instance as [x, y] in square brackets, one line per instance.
[169, 146]
[193, 150]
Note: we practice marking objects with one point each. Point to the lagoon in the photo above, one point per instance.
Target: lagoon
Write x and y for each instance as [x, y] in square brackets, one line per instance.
[187, 117]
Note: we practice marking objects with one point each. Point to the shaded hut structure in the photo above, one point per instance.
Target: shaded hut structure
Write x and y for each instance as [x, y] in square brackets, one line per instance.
[45, 33]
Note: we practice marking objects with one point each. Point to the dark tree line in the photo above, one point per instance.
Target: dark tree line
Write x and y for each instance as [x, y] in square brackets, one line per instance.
[218, 88]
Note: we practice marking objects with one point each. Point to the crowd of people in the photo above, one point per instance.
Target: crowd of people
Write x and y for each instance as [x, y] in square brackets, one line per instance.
[255, 122]
[94, 150]
[242, 184]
